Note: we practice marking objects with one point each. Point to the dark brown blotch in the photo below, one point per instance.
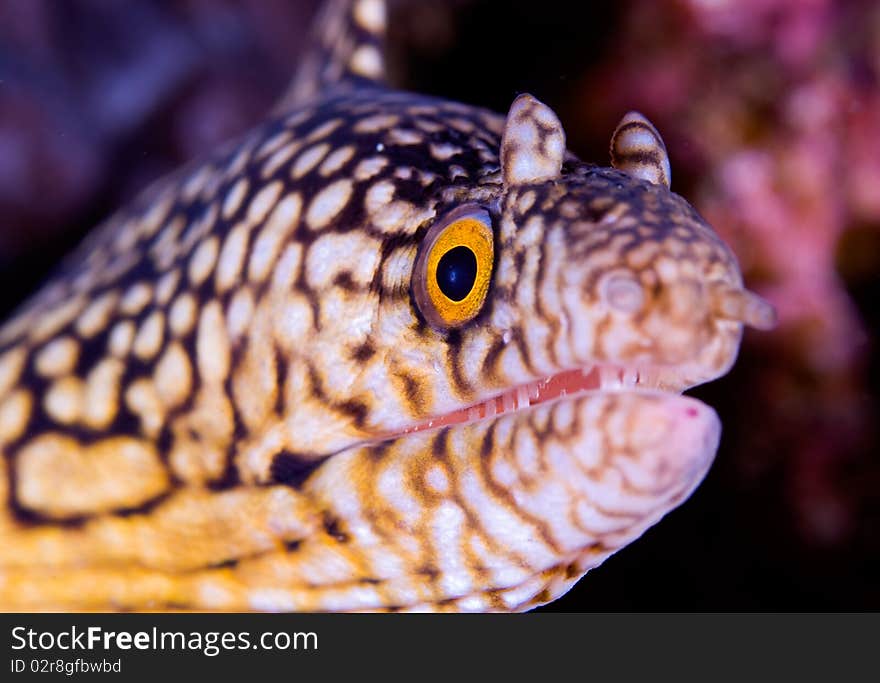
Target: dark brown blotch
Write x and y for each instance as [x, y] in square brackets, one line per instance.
[333, 528]
[363, 352]
[290, 469]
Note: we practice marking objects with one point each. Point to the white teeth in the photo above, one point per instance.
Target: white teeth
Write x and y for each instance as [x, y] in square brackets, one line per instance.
[522, 396]
[610, 377]
[533, 390]
[508, 402]
[630, 377]
[490, 408]
[473, 413]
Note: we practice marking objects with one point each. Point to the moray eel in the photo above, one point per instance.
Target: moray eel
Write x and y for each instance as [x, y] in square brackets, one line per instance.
[384, 352]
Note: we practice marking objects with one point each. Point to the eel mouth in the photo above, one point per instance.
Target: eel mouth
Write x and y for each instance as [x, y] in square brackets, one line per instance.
[602, 377]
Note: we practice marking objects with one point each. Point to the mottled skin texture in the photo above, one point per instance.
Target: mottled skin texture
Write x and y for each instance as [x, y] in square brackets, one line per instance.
[205, 408]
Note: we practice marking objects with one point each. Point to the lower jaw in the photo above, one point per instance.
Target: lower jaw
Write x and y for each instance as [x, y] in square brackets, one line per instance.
[599, 378]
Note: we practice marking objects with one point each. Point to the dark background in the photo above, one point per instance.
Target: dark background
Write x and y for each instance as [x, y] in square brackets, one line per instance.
[771, 113]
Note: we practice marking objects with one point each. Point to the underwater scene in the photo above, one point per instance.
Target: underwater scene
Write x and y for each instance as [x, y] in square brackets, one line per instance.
[770, 115]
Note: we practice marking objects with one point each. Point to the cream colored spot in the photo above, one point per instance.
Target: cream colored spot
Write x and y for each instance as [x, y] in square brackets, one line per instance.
[134, 300]
[211, 190]
[194, 463]
[199, 229]
[17, 326]
[379, 196]
[373, 124]
[51, 322]
[64, 400]
[173, 376]
[149, 338]
[526, 201]
[143, 400]
[239, 161]
[121, 337]
[212, 421]
[60, 477]
[97, 316]
[272, 144]
[255, 385]
[166, 287]
[370, 15]
[196, 182]
[202, 262]
[368, 168]
[118, 267]
[398, 136]
[324, 130]
[426, 178]
[328, 203]
[336, 160]
[126, 236]
[323, 262]
[444, 151]
[280, 158]
[234, 198]
[58, 357]
[240, 312]
[308, 159]
[297, 118]
[15, 410]
[400, 216]
[462, 125]
[264, 201]
[231, 258]
[182, 316]
[212, 345]
[429, 126]
[437, 479]
[456, 171]
[254, 459]
[366, 61]
[287, 269]
[156, 215]
[164, 249]
[293, 324]
[101, 398]
[11, 364]
[268, 243]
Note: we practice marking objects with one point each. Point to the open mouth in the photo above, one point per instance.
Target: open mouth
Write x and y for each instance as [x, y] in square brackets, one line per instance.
[729, 304]
[600, 377]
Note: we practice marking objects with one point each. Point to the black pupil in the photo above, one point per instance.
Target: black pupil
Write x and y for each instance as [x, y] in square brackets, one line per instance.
[456, 273]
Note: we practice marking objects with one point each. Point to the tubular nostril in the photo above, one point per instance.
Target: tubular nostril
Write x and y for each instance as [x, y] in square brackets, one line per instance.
[622, 292]
[741, 305]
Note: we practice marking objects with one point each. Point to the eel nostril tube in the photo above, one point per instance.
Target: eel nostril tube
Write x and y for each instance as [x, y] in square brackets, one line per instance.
[741, 305]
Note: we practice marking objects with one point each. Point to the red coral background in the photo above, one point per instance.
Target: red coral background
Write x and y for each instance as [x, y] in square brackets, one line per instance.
[770, 110]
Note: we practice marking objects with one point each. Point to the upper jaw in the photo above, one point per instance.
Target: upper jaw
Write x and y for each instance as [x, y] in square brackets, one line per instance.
[592, 378]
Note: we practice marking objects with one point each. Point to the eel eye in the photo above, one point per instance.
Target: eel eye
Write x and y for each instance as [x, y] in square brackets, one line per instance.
[454, 267]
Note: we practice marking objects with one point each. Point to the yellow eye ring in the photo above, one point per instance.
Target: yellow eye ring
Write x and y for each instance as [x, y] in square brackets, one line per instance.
[454, 267]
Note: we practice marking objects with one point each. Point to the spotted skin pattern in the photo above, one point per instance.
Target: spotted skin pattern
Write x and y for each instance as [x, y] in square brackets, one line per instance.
[228, 398]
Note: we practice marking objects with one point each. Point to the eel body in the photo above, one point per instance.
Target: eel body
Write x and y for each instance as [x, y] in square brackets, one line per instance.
[384, 352]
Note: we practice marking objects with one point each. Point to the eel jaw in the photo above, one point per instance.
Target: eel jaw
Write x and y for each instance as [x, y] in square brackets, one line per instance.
[601, 377]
